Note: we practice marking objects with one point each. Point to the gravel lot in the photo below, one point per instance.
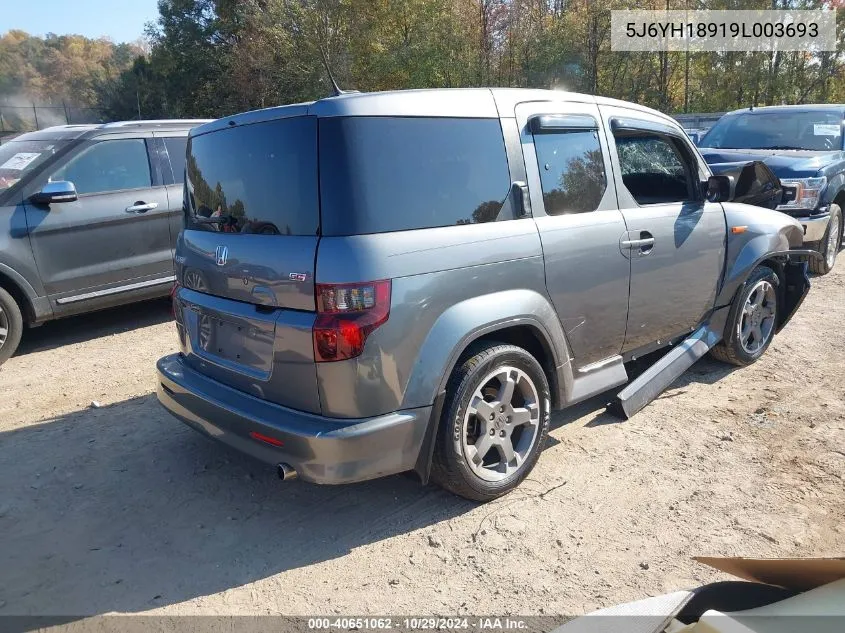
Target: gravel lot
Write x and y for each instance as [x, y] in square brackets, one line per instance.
[119, 508]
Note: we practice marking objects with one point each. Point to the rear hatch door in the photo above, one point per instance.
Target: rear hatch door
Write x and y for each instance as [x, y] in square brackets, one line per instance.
[245, 261]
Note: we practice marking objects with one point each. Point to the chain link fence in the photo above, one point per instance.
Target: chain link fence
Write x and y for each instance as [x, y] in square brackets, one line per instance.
[698, 120]
[19, 118]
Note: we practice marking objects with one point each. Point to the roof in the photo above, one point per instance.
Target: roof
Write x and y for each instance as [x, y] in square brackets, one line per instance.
[71, 132]
[439, 102]
[808, 107]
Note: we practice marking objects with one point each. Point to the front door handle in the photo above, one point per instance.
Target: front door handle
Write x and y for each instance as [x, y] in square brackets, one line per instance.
[142, 207]
[644, 243]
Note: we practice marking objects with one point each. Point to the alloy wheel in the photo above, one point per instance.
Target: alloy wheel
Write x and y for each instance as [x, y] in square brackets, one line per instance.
[757, 322]
[501, 424]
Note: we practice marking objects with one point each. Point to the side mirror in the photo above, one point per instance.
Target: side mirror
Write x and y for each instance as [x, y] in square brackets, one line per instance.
[719, 188]
[58, 191]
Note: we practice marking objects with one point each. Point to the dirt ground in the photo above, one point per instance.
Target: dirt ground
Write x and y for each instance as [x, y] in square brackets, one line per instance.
[119, 508]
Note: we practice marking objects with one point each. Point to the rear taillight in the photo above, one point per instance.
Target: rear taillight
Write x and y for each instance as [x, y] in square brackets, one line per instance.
[346, 315]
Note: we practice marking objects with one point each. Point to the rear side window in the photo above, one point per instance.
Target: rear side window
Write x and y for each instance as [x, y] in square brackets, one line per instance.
[176, 149]
[653, 168]
[571, 171]
[259, 178]
[380, 174]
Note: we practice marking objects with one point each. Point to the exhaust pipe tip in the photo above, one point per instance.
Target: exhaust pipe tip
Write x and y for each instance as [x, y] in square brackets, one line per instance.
[286, 472]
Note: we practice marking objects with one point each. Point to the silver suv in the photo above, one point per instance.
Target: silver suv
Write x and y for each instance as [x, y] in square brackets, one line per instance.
[89, 216]
[377, 283]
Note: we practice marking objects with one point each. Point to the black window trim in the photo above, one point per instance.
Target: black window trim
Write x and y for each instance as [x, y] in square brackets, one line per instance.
[625, 124]
[156, 156]
[552, 123]
[167, 169]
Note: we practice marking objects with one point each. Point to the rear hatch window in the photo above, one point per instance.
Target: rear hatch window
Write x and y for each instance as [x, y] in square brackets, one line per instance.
[252, 213]
[255, 179]
[380, 174]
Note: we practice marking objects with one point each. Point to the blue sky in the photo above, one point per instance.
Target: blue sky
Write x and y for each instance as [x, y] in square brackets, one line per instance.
[121, 20]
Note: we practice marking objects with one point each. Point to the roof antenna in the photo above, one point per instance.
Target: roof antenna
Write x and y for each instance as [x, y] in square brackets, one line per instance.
[336, 91]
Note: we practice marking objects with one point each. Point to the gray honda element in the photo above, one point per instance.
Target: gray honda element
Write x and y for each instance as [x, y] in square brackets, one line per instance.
[377, 283]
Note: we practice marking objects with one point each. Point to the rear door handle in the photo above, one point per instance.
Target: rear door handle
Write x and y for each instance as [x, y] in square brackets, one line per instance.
[142, 207]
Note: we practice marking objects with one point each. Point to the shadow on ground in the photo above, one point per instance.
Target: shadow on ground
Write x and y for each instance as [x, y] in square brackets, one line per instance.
[707, 371]
[124, 509]
[87, 327]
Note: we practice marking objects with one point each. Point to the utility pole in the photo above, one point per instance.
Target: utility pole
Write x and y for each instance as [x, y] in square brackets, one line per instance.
[35, 112]
[67, 113]
[138, 100]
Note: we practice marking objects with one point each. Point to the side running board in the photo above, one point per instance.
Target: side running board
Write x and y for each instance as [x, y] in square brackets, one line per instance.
[653, 381]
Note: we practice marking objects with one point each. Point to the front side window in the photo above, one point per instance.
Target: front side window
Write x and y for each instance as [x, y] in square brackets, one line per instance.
[380, 174]
[571, 171]
[653, 167]
[108, 166]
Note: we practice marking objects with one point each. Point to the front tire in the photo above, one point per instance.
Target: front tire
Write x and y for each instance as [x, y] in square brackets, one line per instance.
[752, 320]
[494, 424]
[11, 325]
[830, 244]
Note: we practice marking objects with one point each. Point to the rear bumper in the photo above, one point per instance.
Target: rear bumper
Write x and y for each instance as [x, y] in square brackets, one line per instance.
[322, 450]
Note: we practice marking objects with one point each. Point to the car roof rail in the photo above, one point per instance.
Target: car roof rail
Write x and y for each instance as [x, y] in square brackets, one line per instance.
[156, 122]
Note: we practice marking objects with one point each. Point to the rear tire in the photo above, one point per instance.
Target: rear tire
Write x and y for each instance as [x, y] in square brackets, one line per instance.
[11, 325]
[830, 244]
[497, 403]
[752, 320]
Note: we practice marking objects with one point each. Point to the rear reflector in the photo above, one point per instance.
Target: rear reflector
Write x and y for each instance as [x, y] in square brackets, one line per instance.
[266, 439]
[346, 315]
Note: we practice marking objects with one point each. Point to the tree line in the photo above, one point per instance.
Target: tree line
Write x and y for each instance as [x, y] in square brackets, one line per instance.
[209, 58]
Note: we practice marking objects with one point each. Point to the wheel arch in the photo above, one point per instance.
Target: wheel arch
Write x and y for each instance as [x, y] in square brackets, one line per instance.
[526, 334]
[528, 321]
[839, 201]
[790, 268]
[21, 297]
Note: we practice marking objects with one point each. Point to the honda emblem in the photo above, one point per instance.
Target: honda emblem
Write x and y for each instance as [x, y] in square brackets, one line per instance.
[221, 255]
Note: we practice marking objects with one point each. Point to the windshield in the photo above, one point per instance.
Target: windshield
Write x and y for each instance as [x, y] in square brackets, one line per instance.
[809, 130]
[18, 158]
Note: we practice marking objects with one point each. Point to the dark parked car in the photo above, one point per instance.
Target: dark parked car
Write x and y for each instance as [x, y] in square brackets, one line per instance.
[89, 216]
[375, 283]
[803, 146]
